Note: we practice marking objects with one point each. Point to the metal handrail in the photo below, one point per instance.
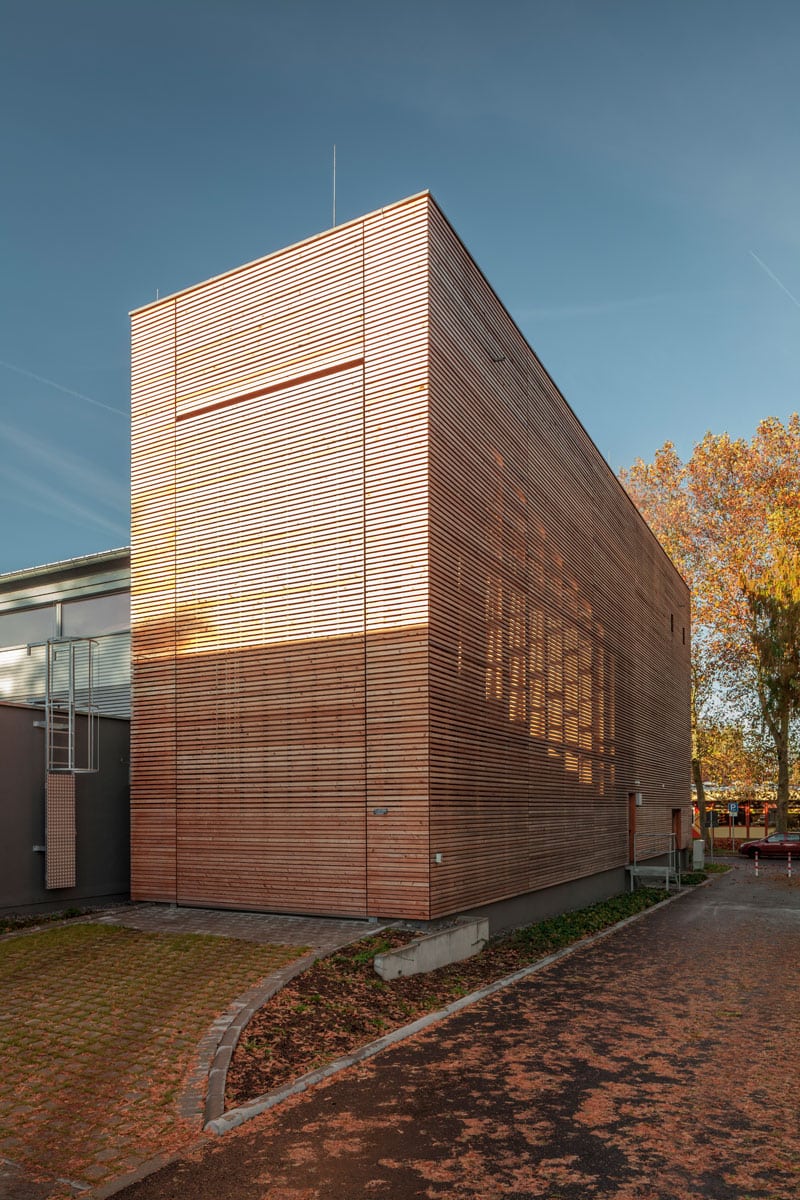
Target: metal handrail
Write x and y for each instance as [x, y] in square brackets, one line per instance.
[62, 709]
[658, 844]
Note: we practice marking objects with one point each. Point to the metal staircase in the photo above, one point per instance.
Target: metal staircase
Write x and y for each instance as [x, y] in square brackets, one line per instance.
[71, 718]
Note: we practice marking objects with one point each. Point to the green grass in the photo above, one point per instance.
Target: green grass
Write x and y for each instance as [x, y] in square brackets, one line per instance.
[377, 945]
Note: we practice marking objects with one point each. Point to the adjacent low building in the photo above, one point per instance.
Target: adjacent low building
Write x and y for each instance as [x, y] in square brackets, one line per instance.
[402, 645]
[65, 732]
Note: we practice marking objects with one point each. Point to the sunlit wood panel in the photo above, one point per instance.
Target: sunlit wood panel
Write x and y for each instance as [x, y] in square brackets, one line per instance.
[549, 621]
[294, 314]
[396, 557]
[290, 549]
[270, 602]
[153, 649]
[389, 601]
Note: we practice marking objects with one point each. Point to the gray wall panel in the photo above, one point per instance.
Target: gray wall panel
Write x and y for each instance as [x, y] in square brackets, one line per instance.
[103, 821]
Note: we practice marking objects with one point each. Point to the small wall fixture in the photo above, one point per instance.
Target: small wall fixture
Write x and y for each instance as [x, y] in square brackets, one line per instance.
[438, 858]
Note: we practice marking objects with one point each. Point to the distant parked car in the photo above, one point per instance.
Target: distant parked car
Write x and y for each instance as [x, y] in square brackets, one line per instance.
[777, 845]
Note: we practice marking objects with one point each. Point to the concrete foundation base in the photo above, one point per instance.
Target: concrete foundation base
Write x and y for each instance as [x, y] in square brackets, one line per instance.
[549, 902]
[439, 949]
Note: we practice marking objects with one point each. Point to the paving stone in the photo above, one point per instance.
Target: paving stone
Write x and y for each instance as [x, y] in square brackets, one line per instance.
[659, 1063]
[108, 1023]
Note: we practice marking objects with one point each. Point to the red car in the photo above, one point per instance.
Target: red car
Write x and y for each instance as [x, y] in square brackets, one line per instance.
[777, 845]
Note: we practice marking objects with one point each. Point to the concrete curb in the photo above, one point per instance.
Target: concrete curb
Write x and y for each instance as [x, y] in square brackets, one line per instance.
[216, 1049]
[237, 1116]
[16, 1179]
[103, 1190]
[204, 1095]
[441, 948]
[213, 1058]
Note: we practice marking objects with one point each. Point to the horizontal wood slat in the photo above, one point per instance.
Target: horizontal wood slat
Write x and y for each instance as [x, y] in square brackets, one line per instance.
[290, 550]
[389, 602]
[555, 679]
[153, 647]
[396, 559]
[289, 316]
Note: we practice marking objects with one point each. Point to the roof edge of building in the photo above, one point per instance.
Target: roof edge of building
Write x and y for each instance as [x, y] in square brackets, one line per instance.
[64, 566]
[193, 287]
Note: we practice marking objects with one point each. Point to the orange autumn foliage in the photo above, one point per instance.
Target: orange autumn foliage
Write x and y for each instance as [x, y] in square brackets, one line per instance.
[730, 519]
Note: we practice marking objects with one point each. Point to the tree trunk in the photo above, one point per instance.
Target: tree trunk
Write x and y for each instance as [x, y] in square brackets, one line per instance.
[697, 775]
[781, 736]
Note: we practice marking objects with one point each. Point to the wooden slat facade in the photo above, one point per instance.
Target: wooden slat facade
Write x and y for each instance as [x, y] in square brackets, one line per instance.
[388, 601]
[559, 629]
[153, 634]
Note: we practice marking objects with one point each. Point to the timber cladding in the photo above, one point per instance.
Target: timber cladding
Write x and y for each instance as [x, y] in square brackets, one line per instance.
[559, 639]
[401, 644]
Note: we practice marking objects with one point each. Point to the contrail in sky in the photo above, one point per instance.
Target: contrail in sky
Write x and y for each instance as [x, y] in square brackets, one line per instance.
[41, 459]
[775, 279]
[43, 498]
[68, 391]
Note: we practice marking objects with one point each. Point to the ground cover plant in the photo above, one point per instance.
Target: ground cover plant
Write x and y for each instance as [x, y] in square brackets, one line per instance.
[341, 1003]
[13, 922]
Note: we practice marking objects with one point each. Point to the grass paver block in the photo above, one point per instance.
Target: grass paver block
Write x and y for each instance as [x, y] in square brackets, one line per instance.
[99, 1031]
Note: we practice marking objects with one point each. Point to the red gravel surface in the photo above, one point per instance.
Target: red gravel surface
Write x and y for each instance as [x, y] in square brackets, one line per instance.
[659, 1064]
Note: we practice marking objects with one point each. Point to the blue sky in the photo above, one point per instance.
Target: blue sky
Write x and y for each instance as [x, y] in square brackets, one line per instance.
[626, 173]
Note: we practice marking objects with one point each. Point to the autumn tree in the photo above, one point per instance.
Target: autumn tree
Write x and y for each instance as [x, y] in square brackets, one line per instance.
[774, 607]
[661, 492]
[730, 518]
[734, 754]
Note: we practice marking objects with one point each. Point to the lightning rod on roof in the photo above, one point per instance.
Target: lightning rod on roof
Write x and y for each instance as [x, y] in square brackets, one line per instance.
[334, 183]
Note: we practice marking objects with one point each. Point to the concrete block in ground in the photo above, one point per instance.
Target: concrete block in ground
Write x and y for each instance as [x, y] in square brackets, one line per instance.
[450, 945]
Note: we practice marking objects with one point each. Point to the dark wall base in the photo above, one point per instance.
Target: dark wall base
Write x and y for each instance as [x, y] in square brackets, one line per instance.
[550, 902]
[70, 901]
[102, 813]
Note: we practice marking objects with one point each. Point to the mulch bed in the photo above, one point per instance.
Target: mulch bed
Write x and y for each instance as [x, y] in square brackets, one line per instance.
[341, 1003]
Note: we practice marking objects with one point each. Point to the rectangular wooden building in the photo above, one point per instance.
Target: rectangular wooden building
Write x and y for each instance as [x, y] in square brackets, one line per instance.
[402, 646]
